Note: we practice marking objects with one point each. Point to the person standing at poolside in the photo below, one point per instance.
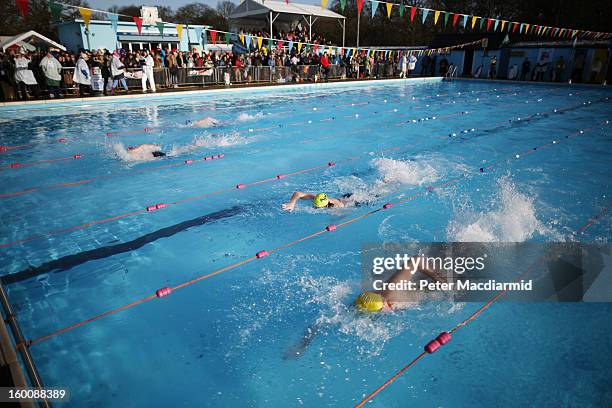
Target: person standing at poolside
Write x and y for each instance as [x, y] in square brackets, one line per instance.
[82, 76]
[147, 72]
[411, 64]
[118, 72]
[52, 70]
[403, 66]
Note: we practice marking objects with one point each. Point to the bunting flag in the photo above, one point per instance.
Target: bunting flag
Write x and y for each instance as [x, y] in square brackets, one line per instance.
[199, 36]
[290, 46]
[389, 9]
[482, 20]
[248, 42]
[56, 11]
[425, 14]
[374, 7]
[455, 17]
[342, 5]
[323, 4]
[412, 13]
[446, 16]
[299, 47]
[401, 10]
[160, 27]
[514, 26]
[23, 6]
[228, 37]
[86, 14]
[259, 42]
[521, 29]
[241, 36]
[113, 18]
[179, 31]
[213, 36]
[138, 22]
[496, 24]
[465, 18]
[436, 16]
[474, 18]
[503, 24]
[359, 6]
[526, 28]
[280, 44]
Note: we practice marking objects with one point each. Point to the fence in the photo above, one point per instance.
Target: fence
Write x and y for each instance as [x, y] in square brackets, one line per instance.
[222, 75]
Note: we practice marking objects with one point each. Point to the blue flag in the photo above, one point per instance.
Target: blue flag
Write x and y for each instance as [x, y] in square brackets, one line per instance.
[425, 13]
[465, 20]
[113, 18]
[290, 46]
[198, 33]
[248, 41]
[374, 7]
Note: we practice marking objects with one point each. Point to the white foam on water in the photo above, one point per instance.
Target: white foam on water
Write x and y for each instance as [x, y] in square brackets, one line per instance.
[512, 219]
[209, 140]
[245, 117]
[416, 172]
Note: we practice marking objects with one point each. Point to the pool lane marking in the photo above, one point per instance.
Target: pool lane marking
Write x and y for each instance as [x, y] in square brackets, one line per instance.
[165, 291]
[59, 159]
[242, 131]
[158, 206]
[85, 181]
[430, 350]
[33, 189]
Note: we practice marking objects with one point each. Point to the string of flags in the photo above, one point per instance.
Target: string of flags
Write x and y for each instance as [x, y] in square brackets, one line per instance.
[474, 22]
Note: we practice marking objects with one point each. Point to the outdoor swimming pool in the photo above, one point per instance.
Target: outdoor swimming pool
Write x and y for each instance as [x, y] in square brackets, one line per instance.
[77, 242]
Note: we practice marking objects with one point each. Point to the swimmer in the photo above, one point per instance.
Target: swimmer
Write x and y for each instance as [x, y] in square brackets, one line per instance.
[389, 300]
[320, 200]
[207, 122]
[374, 302]
[145, 150]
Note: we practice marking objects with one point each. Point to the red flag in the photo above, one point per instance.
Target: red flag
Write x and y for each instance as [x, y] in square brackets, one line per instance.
[359, 6]
[213, 36]
[412, 13]
[489, 24]
[280, 44]
[138, 22]
[514, 25]
[22, 6]
[455, 17]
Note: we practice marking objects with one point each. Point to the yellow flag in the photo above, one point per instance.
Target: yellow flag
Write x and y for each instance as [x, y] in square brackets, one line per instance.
[474, 18]
[259, 41]
[389, 8]
[241, 38]
[436, 16]
[86, 14]
[323, 4]
[526, 28]
[299, 47]
[179, 31]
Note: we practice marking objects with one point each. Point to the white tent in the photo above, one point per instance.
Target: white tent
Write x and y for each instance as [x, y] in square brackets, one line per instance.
[29, 39]
[272, 11]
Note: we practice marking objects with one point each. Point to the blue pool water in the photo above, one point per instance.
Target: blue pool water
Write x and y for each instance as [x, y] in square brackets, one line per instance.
[222, 341]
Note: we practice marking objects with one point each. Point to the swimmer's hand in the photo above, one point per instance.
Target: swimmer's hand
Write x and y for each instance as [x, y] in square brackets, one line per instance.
[288, 206]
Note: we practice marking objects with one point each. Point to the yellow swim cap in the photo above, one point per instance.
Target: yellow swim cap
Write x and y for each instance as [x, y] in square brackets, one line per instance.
[320, 200]
[370, 302]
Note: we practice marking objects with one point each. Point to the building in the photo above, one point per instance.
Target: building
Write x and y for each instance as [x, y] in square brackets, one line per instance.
[101, 35]
[582, 60]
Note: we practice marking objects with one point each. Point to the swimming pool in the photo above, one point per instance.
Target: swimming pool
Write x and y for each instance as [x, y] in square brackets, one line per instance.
[78, 241]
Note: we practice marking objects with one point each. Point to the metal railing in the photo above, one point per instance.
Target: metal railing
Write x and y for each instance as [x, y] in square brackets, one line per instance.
[224, 75]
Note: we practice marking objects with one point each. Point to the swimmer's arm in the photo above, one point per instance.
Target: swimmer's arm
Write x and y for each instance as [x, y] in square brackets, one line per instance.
[298, 195]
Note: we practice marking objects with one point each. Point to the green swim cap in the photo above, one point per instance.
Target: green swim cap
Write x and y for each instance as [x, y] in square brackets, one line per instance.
[320, 200]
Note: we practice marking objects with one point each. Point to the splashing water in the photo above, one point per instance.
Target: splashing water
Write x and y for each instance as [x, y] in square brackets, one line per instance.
[245, 117]
[208, 140]
[143, 154]
[514, 220]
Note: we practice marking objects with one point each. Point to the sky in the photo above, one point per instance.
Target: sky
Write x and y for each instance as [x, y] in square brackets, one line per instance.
[174, 4]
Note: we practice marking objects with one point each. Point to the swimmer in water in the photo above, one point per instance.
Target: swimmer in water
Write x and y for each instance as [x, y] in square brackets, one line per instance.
[375, 302]
[389, 300]
[320, 200]
[146, 149]
[207, 122]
